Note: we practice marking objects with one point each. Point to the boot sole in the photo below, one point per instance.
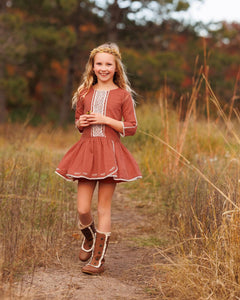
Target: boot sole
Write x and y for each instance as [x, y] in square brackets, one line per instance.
[92, 272]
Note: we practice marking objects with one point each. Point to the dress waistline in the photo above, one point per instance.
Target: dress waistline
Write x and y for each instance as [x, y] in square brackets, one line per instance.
[115, 138]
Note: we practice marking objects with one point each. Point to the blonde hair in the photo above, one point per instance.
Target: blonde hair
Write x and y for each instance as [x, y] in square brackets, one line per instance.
[89, 78]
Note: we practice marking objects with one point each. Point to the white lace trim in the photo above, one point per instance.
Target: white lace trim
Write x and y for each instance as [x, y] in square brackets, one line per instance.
[99, 105]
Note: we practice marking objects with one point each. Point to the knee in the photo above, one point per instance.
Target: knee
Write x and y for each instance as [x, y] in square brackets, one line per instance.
[85, 218]
[83, 213]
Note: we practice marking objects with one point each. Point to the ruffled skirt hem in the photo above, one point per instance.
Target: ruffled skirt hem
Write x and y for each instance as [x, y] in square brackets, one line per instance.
[98, 159]
[70, 177]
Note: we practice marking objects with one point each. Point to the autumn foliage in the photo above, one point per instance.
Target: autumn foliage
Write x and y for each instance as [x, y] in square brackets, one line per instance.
[45, 44]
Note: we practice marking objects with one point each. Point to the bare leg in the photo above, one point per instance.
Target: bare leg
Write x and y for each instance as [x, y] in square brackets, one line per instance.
[84, 200]
[105, 193]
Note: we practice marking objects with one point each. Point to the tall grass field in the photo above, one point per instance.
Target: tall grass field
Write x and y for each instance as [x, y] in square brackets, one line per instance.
[190, 188]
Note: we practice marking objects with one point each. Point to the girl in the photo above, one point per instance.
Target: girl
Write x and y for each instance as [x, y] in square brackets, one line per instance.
[102, 100]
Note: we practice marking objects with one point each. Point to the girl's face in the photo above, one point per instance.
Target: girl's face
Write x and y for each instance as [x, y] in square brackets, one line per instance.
[104, 67]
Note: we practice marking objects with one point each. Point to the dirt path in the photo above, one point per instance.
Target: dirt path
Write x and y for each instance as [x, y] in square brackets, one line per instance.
[128, 272]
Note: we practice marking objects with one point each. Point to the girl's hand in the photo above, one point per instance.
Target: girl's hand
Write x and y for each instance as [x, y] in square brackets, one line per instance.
[95, 118]
[82, 121]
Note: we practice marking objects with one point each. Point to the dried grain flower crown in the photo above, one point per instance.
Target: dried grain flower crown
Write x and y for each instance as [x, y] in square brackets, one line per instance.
[105, 50]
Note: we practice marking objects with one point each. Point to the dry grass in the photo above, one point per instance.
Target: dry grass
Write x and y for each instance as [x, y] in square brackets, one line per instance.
[191, 187]
[191, 169]
[37, 209]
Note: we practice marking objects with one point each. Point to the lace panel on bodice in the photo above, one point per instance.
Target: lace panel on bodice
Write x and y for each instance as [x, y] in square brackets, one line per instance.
[99, 105]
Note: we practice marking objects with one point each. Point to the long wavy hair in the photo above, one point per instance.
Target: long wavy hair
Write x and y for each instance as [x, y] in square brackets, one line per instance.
[89, 78]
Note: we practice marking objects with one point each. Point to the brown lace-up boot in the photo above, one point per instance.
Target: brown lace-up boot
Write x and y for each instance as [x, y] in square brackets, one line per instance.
[96, 264]
[89, 232]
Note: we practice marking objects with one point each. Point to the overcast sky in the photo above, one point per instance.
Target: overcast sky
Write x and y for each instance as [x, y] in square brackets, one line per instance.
[214, 10]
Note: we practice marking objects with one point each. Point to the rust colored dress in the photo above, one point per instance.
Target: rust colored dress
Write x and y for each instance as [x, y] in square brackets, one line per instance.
[99, 153]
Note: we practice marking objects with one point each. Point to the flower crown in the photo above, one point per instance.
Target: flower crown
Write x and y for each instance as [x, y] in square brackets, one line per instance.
[109, 50]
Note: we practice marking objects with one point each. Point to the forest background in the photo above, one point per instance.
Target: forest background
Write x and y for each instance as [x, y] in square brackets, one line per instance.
[44, 46]
[187, 145]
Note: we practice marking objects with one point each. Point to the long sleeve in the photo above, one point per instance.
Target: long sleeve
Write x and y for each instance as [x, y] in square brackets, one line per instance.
[79, 110]
[129, 117]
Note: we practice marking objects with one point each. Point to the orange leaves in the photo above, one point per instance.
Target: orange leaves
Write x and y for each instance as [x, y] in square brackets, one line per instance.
[60, 69]
[76, 236]
[30, 74]
[88, 28]
[187, 82]
[11, 69]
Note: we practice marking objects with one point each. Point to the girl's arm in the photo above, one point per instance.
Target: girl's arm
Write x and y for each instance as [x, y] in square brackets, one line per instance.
[129, 117]
[80, 119]
[95, 118]
[126, 127]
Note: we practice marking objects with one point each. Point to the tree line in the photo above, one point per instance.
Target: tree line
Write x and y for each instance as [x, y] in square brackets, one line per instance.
[44, 45]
